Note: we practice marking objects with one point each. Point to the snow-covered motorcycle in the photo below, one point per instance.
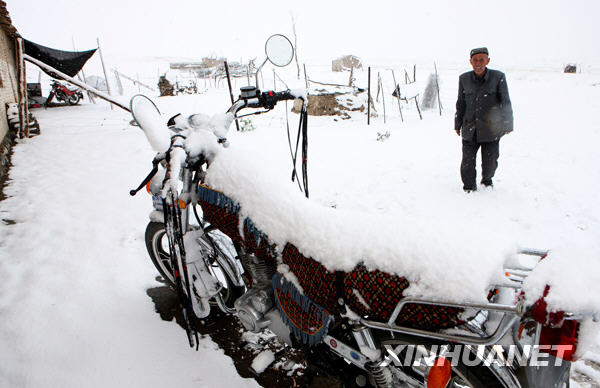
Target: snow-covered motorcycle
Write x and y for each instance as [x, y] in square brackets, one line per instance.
[356, 325]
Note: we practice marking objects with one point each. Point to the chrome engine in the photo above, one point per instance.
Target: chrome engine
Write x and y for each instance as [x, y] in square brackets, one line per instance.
[256, 308]
[252, 307]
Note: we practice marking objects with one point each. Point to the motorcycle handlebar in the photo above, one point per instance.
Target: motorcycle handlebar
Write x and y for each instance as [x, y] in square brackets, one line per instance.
[254, 98]
[269, 99]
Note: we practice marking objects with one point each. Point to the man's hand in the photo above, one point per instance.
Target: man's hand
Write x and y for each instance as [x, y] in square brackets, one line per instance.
[457, 131]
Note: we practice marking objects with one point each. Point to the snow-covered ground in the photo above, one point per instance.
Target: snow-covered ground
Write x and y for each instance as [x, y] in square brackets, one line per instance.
[73, 263]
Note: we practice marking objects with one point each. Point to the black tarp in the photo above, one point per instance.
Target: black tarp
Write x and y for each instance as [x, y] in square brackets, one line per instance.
[68, 62]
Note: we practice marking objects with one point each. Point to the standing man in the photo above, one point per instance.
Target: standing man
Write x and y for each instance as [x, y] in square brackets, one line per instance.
[483, 116]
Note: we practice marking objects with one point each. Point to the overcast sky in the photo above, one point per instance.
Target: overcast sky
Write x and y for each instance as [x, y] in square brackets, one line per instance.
[528, 32]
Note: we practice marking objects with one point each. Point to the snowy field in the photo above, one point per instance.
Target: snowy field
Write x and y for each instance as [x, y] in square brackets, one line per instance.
[75, 271]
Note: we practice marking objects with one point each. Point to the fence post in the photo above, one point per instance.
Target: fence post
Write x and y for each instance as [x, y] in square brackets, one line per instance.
[369, 97]
[437, 86]
[237, 125]
[104, 69]
[397, 95]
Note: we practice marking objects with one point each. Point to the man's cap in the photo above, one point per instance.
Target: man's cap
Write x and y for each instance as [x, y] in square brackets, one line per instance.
[480, 50]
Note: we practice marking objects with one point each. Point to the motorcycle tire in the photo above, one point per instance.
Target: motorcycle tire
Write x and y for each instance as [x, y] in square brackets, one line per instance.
[158, 249]
[49, 99]
[73, 99]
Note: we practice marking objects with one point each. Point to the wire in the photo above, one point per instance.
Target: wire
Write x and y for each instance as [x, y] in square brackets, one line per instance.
[287, 123]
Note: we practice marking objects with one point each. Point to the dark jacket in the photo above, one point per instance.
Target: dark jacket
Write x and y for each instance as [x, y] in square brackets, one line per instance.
[483, 107]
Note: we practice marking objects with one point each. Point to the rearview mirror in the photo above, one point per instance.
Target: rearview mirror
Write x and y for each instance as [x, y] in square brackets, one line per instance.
[279, 50]
[148, 117]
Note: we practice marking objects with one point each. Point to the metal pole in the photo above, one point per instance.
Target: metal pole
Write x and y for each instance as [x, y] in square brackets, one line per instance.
[369, 97]
[237, 125]
[98, 93]
[104, 69]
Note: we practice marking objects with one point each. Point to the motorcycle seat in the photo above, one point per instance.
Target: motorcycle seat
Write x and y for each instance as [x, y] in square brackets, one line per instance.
[369, 293]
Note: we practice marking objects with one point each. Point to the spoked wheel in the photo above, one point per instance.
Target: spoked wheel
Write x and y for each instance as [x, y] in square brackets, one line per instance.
[73, 99]
[157, 244]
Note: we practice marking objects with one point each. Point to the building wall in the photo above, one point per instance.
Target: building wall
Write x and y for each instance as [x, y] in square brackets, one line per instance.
[8, 78]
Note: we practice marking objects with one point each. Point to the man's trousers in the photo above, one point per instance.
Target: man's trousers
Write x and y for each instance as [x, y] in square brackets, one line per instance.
[490, 152]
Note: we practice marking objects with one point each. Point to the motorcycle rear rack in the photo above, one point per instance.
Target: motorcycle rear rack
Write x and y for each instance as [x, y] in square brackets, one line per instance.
[511, 315]
[515, 276]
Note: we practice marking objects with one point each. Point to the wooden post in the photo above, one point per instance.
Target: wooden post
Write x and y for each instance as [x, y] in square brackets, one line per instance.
[414, 73]
[104, 69]
[437, 87]
[369, 97]
[295, 44]
[119, 83]
[135, 81]
[305, 76]
[237, 125]
[406, 77]
[72, 80]
[90, 95]
[378, 86]
[418, 110]
[22, 88]
[262, 79]
[397, 95]
[382, 96]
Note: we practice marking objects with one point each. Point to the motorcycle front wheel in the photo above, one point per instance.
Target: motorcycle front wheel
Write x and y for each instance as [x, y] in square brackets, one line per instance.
[73, 99]
[157, 245]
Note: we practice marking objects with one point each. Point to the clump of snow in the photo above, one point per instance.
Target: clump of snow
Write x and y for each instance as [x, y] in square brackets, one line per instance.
[588, 336]
[202, 141]
[152, 123]
[262, 361]
[372, 354]
[300, 93]
[569, 284]
[360, 298]
[178, 158]
[284, 269]
[351, 315]
[219, 123]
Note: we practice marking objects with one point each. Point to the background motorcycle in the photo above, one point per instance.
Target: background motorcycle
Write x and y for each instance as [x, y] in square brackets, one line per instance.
[69, 95]
[206, 260]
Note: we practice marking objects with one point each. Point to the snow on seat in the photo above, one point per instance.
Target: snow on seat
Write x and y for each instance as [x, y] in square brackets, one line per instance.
[373, 294]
